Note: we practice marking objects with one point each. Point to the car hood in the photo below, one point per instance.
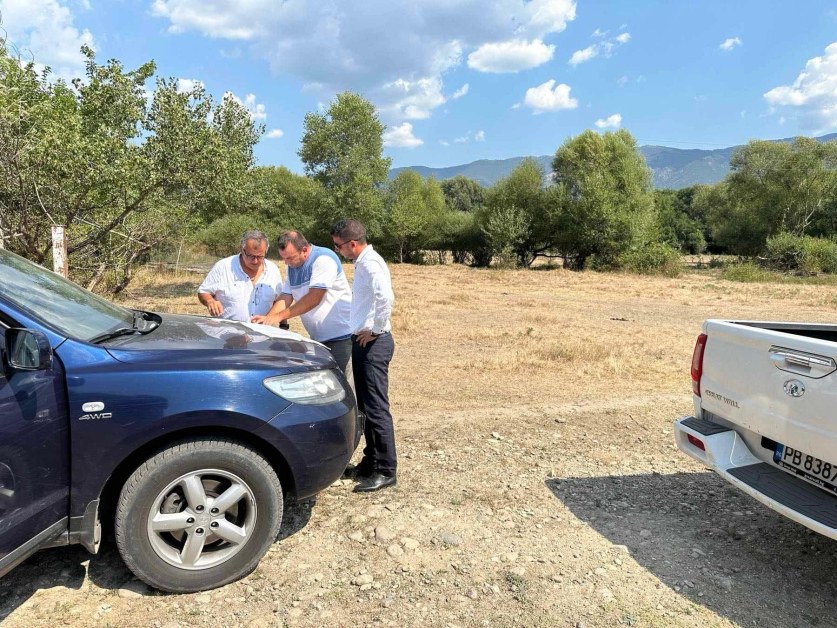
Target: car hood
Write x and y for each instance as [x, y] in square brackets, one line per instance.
[184, 339]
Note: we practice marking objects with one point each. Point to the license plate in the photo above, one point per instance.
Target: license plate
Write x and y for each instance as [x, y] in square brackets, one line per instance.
[821, 473]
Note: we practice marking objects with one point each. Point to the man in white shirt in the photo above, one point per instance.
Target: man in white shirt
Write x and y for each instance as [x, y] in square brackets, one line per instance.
[372, 349]
[244, 285]
[317, 291]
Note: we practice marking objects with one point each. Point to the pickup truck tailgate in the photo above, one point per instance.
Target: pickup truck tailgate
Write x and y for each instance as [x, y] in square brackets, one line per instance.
[780, 382]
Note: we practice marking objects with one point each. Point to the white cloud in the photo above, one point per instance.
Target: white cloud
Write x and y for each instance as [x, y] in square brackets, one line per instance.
[580, 56]
[459, 93]
[256, 110]
[274, 134]
[611, 122]
[599, 33]
[43, 31]
[813, 93]
[622, 81]
[478, 136]
[730, 43]
[342, 45]
[413, 100]
[602, 48]
[401, 136]
[187, 85]
[549, 97]
[444, 143]
[510, 56]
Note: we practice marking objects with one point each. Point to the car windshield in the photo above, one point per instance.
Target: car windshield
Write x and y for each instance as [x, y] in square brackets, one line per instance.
[59, 303]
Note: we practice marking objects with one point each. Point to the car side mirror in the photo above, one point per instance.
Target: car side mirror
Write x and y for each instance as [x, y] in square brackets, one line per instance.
[28, 350]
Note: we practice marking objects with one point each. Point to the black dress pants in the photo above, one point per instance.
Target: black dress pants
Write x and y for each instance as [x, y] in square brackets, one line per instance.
[370, 366]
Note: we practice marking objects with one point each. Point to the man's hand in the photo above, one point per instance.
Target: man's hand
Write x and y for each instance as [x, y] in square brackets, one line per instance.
[215, 308]
[365, 337]
[267, 319]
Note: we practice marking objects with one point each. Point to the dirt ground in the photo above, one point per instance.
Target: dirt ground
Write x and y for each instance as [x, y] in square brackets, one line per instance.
[538, 483]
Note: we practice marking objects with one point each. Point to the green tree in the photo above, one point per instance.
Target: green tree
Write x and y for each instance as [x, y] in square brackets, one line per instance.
[521, 216]
[463, 194]
[413, 206]
[284, 198]
[343, 150]
[605, 186]
[776, 187]
[676, 227]
[124, 176]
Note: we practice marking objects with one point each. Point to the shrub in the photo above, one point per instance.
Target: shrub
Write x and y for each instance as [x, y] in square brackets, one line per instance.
[791, 253]
[747, 272]
[222, 236]
[653, 259]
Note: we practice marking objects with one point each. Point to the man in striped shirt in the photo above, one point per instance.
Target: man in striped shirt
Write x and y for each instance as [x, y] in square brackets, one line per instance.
[372, 349]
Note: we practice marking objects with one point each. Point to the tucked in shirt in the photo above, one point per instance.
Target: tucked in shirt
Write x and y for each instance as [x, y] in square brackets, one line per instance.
[330, 319]
[240, 298]
[372, 296]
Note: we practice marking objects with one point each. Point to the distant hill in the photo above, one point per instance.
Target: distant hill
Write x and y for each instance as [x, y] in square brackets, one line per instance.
[671, 167]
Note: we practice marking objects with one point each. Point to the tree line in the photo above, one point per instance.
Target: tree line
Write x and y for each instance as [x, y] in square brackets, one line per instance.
[131, 171]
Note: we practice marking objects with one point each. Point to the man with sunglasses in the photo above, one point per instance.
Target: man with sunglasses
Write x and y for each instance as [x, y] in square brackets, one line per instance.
[372, 349]
[244, 285]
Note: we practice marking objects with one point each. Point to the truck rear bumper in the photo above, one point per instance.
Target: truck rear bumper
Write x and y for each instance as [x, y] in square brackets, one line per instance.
[725, 452]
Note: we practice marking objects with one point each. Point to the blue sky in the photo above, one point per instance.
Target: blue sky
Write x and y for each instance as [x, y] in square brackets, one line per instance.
[460, 81]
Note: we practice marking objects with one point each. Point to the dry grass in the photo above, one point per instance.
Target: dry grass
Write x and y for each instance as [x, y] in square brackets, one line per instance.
[481, 338]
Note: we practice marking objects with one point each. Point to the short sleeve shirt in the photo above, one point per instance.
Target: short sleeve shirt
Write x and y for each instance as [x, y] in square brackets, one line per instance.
[330, 319]
[232, 287]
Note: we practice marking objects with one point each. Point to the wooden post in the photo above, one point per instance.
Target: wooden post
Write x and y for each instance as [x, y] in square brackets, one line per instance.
[59, 250]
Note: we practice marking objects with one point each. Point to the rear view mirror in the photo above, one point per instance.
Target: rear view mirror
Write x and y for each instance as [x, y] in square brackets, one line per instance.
[28, 350]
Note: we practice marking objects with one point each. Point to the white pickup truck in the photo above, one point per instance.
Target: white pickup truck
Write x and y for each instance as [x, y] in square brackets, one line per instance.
[765, 397]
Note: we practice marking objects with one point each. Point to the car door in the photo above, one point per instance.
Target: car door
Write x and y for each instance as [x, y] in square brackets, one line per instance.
[34, 456]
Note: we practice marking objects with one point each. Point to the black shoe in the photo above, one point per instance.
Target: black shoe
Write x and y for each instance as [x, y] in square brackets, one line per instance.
[356, 472]
[374, 482]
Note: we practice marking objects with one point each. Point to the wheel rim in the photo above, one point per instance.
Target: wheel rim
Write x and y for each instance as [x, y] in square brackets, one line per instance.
[202, 519]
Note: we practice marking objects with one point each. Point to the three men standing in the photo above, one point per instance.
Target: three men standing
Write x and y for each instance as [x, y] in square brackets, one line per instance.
[351, 322]
[372, 350]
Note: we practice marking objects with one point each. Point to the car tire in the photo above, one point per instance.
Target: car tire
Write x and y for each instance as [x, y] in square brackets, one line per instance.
[198, 515]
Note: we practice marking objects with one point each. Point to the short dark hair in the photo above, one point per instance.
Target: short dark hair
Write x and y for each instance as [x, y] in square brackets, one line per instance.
[349, 229]
[292, 237]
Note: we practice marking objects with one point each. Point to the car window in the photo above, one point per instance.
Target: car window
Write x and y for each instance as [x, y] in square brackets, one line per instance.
[59, 303]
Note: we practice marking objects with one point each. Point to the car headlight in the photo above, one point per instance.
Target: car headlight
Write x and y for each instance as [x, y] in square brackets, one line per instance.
[315, 387]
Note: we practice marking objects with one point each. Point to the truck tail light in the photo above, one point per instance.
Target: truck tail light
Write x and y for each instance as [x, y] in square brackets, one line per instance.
[697, 442]
[697, 363]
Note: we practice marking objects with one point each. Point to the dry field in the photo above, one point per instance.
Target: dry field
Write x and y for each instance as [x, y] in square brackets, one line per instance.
[538, 481]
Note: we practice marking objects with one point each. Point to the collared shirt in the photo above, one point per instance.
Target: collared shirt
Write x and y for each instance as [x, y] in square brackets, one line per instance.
[330, 319]
[233, 288]
[372, 295]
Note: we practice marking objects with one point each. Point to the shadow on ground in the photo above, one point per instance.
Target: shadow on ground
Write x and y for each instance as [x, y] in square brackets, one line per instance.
[714, 545]
[70, 567]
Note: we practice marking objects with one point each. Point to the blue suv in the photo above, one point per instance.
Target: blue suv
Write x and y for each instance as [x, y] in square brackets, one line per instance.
[184, 433]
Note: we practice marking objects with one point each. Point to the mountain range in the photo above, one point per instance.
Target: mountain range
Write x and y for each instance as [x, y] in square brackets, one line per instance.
[671, 167]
